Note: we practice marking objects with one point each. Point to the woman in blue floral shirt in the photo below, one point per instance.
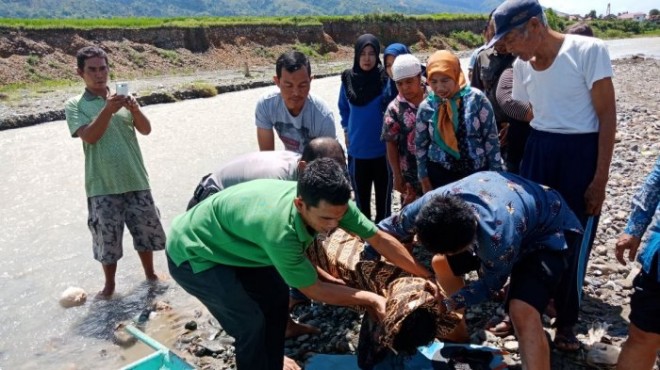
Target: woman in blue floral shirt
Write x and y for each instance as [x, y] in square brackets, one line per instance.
[456, 133]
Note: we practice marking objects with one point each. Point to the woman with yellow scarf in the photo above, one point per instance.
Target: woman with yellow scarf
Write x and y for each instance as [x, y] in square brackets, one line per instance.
[456, 133]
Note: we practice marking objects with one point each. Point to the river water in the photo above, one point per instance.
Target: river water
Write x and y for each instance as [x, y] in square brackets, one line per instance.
[46, 245]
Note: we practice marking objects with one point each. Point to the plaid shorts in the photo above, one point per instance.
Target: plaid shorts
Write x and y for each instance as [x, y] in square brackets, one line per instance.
[109, 213]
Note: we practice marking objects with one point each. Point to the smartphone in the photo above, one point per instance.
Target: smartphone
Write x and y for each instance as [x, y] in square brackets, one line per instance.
[122, 88]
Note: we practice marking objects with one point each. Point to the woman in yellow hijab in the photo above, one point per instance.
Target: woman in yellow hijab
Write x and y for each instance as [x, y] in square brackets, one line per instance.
[456, 133]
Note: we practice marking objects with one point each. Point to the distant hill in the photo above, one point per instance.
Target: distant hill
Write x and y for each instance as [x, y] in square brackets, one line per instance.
[183, 8]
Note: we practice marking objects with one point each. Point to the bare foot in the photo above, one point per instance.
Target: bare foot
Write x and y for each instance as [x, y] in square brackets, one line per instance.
[294, 302]
[294, 329]
[107, 292]
[565, 340]
[459, 335]
[153, 277]
[290, 364]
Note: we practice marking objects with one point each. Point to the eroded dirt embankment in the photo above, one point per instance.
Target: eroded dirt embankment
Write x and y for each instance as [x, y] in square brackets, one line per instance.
[32, 55]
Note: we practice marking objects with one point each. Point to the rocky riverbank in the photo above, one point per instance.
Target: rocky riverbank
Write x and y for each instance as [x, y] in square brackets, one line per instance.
[607, 287]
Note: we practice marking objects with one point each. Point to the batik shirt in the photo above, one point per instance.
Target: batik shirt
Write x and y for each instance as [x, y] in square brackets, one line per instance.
[478, 143]
[399, 127]
[515, 217]
[646, 204]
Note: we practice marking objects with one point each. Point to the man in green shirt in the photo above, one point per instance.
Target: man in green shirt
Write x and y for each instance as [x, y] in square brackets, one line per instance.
[239, 249]
[116, 181]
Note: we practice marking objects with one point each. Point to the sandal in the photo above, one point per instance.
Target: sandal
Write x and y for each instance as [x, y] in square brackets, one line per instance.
[500, 328]
[565, 340]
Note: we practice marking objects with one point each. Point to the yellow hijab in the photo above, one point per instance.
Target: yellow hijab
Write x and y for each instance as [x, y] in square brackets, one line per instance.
[446, 63]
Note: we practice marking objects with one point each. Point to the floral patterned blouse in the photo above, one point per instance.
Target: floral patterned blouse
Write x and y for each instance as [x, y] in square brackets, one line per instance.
[477, 136]
[399, 127]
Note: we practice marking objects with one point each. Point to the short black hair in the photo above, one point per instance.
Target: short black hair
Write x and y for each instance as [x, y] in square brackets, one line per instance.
[292, 61]
[323, 179]
[89, 52]
[417, 329]
[323, 147]
[446, 224]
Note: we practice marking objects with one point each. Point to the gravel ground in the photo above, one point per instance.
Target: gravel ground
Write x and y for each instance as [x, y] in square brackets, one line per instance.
[607, 286]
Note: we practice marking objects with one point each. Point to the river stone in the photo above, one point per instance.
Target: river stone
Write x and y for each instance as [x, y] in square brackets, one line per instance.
[628, 281]
[162, 306]
[188, 338]
[488, 336]
[511, 346]
[602, 354]
[191, 325]
[123, 338]
[212, 346]
[72, 297]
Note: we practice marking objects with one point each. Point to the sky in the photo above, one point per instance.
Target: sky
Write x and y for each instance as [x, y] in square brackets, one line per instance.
[583, 7]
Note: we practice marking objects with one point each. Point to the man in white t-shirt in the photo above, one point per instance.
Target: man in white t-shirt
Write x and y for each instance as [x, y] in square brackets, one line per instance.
[296, 115]
[567, 79]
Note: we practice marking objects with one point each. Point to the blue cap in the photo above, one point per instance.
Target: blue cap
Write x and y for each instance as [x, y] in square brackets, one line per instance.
[511, 14]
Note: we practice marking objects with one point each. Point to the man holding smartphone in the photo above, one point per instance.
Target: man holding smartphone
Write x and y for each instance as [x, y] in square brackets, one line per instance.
[116, 180]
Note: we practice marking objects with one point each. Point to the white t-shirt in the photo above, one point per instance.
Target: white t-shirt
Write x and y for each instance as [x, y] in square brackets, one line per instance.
[315, 120]
[561, 95]
[277, 164]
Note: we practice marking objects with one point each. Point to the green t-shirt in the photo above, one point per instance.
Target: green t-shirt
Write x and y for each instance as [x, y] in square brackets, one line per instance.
[253, 224]
[113, 165]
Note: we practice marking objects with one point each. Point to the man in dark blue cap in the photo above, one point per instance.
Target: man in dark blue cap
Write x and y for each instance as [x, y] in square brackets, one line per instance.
[567, 79]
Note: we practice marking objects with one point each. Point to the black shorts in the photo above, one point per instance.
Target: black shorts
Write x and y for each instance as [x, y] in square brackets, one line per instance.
[645, 302]
[535, 278]
[464, 262]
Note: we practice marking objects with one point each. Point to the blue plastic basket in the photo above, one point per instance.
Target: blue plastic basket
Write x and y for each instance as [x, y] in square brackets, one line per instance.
[162, 359]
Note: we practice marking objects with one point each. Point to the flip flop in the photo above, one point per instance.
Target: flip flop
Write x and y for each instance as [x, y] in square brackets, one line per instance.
[566, 341]
[500, 328]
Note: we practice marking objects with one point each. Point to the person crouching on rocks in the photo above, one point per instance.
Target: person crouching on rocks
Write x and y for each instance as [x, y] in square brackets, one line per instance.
[503, 226]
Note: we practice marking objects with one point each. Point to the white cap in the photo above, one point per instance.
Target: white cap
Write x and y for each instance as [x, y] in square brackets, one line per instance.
[404, 66]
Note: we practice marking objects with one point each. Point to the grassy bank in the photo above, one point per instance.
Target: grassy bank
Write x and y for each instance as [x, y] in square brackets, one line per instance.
[603, 28]
[192, 22]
